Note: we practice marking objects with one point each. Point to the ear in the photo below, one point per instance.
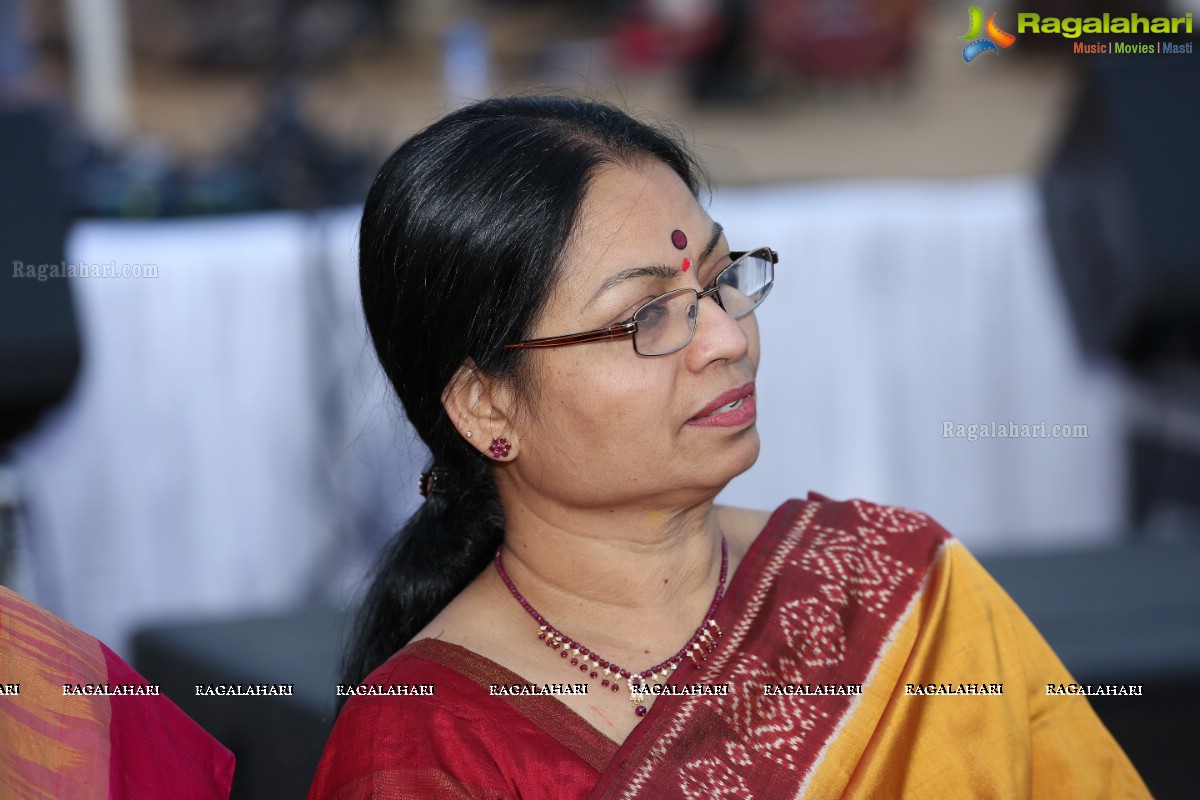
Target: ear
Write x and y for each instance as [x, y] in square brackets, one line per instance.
[482, 408]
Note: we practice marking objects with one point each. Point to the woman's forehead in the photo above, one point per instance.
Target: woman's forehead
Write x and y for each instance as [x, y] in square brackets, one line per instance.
[630, 217]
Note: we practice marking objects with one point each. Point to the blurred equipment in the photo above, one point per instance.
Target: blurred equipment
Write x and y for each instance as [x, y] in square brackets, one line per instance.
[39, 342]
[282, 161]
[1122, 197]
[240, 34]
[292, 164]
[39, 339]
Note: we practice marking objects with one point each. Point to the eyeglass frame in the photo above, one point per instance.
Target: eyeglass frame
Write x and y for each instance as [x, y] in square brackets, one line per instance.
[629, 327]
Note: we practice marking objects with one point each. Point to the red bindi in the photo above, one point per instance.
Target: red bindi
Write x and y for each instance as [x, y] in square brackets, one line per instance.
[687, 263]
[679, 239]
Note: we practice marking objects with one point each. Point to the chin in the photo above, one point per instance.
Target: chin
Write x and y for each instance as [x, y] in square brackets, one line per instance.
[752, 446]
[733, 459]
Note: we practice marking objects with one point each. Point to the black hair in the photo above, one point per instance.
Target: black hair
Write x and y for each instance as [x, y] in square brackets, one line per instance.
[460, 245]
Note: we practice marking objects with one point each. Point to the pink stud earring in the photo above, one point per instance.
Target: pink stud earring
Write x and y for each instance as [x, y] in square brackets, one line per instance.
[500, 448]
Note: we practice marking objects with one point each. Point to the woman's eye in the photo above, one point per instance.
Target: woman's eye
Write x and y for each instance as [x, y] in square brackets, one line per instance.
[630, 310]
[651, 315]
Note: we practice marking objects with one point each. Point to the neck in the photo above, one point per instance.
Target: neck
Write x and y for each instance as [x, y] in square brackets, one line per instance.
[604, 568]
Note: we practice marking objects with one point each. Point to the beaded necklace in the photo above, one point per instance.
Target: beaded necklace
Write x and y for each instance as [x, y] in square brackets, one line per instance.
[703, 641]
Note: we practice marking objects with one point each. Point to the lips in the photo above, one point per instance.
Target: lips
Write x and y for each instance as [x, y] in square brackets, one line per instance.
[733, 407]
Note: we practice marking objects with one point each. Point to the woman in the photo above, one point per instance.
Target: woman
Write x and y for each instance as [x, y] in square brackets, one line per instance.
[573, 338]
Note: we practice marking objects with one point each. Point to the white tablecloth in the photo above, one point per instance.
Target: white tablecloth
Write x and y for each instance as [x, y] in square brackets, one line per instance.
[225, 449]
[899, 307]
[231, 447]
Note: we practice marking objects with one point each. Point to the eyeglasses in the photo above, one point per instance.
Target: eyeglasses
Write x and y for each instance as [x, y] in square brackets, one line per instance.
[668, 322]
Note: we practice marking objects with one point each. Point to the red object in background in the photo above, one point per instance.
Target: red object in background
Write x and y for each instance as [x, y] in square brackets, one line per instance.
[644, 43]
[867, 38]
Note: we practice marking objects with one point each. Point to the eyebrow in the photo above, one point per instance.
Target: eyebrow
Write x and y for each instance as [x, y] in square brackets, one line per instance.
[656, 270]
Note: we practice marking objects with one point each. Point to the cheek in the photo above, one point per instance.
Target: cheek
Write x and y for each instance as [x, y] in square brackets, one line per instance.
[597, 396]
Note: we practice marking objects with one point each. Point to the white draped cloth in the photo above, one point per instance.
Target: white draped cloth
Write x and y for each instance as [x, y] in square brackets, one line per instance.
[899, 307]
[226, 441]
[230, 446]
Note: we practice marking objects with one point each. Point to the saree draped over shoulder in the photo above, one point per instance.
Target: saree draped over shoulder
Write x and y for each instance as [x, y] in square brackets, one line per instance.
[77, 722]
[865, 654]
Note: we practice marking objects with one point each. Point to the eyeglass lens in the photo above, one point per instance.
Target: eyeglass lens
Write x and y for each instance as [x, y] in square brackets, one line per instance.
[667, 323]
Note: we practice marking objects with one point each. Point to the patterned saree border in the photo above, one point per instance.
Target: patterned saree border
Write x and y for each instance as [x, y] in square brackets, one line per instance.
[853, 569]
[876, 703]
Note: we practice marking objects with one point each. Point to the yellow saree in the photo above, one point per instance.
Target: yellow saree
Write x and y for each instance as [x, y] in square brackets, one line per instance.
[959, 693]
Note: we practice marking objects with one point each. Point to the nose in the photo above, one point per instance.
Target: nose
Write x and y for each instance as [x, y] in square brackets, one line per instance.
[718, 336]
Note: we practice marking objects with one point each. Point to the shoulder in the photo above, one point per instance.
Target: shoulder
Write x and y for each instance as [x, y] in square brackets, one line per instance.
[844, 540]
[886, 520]
[859, 520]
[419, 728]
[404, 694]
[406, 723]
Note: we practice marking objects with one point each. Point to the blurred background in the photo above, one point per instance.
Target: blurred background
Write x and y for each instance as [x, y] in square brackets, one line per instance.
[198, 458]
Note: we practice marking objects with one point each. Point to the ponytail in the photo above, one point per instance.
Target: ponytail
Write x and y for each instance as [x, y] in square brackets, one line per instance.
[444, 545]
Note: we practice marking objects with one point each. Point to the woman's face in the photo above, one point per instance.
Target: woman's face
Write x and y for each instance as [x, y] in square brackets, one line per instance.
[606, 426]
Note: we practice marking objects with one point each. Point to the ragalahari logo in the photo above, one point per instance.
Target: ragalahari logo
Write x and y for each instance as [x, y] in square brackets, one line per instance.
[994, 39]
